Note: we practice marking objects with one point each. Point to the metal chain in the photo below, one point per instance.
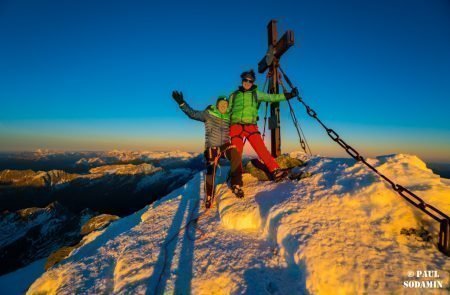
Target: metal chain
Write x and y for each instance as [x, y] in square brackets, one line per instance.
[401, 190]
[303, 143]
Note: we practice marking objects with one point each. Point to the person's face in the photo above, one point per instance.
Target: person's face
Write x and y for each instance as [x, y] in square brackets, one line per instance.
[247, 83]
[222, 106]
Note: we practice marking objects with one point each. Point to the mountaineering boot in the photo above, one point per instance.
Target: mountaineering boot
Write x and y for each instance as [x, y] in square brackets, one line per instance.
[279, 174]
[237, 191]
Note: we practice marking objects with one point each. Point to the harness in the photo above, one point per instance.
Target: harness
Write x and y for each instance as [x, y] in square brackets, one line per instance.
[250, 133]
[213, 155]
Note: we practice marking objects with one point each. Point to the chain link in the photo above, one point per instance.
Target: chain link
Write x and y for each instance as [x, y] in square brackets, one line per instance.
[401, 190]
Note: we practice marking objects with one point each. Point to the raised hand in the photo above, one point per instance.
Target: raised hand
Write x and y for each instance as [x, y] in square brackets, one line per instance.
[178, 97]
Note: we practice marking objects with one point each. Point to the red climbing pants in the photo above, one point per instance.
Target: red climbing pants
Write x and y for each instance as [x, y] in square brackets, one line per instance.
[250, 131]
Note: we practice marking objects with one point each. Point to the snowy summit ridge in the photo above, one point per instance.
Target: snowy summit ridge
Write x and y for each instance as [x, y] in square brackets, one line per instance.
[340, 231]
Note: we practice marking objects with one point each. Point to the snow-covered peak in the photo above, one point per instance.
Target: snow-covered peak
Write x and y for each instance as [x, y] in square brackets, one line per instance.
[96, 158]
[126, 156]
[340, 231]
[30, 178]
[128, 169]
[96, 161]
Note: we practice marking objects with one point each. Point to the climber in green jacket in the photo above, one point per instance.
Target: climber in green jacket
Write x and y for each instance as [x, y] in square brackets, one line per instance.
[244, 105]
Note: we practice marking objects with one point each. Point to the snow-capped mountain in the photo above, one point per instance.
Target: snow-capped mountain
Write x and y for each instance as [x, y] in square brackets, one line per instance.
[120, 155]
[340, 231]
[127, 156]
[101, 189]
[95, 161]
[81, 162]
[33, 233]
[163, 159]
[41, 211]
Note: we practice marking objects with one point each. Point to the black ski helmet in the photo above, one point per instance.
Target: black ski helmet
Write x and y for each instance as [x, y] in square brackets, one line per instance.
[250, 74]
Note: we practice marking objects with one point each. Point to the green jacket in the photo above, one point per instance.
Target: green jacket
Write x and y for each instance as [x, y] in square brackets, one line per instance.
[244, 104]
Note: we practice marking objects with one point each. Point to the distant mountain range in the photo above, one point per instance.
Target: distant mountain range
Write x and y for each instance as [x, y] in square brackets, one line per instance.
[81, 162]
[117, 182]
[46, 197]
[117, 189]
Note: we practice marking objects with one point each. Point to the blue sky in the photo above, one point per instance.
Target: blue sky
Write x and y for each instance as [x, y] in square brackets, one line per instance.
[84, 75]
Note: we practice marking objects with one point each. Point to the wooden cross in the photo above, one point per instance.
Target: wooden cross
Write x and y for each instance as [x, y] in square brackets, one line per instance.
[270, 62]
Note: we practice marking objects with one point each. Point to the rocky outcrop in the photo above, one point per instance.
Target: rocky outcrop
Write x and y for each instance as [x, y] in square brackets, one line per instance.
[97, 223]
[59, 255]
[33, 233]
[94, 224]
[257, 169]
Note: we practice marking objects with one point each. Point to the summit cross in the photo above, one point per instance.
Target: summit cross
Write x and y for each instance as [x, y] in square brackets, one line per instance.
[270, 62]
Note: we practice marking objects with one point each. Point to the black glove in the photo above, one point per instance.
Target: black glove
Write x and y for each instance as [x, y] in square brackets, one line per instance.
[178, 96]
[292, 94]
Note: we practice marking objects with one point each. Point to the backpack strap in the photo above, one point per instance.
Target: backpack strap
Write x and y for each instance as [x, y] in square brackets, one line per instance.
[255, 100]
[231, 101]
[232, 96]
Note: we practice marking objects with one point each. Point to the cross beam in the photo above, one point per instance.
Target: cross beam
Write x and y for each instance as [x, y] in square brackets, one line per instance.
[270, 62]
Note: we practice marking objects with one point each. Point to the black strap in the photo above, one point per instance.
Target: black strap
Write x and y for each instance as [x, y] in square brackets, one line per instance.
[265, 121]
[255, 100]
[211, 153]
[231, 101]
